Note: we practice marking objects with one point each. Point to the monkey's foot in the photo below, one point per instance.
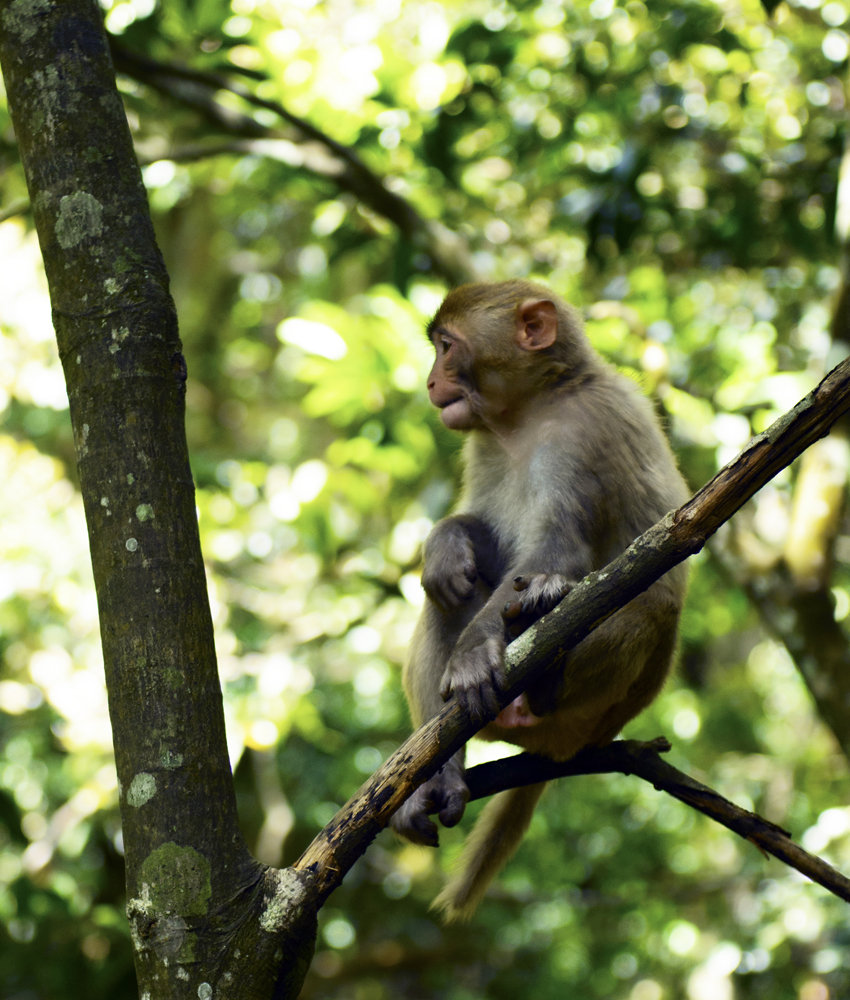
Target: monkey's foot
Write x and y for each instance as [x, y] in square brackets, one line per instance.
[538, 593]
[445, 794]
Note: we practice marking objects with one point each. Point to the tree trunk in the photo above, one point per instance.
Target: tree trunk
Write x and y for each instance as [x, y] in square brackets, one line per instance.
[206, 918]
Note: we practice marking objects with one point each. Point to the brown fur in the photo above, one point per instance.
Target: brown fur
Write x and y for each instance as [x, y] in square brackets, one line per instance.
[565, 464]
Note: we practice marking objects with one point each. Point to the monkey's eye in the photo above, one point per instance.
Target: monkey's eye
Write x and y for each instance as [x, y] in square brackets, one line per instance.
[446, 344]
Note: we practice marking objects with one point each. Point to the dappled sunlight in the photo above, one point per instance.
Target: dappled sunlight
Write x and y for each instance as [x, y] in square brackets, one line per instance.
[677, 175]
[29, 363]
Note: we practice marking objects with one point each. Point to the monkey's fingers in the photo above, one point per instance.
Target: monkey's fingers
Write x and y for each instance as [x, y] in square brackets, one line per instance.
[540, 593]
[516, 628]
[477, 700]
[422, 830]
[480, 701]
[517, 617]
[452, 813]
[475, 673]
[511, 610]
[461, 585]
[451, 798]
[412, 822]
[446, 684]
[537, 592]
[453, 589]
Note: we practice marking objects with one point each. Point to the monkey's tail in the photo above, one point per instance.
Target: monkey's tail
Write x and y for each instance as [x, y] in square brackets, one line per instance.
[493, 839]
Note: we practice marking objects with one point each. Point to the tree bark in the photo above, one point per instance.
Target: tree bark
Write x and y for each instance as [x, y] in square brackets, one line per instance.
[206, 918]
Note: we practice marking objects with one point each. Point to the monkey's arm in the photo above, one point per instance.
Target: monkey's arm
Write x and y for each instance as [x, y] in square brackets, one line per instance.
[461, 560]
[474, 673]
[554, 553]
[459, 551]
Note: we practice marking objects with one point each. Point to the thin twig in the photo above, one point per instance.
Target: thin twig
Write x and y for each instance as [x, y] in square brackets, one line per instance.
[644, 761]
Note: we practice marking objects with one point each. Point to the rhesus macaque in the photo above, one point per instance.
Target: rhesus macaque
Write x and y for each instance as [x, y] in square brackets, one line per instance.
[565, 465]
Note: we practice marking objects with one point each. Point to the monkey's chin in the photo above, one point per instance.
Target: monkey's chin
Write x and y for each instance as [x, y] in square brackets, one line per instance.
[457, 416]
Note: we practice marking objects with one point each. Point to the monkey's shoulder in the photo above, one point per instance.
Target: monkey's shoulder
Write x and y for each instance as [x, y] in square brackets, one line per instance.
[612, 414]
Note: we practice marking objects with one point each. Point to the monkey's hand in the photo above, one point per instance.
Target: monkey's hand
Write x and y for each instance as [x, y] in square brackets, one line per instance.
[539, 593]
[445, 794]
[449, 573]
[475, 673]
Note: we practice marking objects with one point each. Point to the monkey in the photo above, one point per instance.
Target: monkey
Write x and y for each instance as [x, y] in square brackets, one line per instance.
[564, 465]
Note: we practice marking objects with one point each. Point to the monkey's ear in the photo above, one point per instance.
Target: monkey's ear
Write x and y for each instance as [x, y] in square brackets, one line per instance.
[536, 324]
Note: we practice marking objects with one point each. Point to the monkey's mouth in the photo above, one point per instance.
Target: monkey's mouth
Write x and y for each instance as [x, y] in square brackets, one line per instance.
[453, 406]
[455, 413]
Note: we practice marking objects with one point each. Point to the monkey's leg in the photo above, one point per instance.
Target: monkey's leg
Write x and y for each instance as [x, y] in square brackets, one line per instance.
[445, 793]
[461, 559]
[621, 666]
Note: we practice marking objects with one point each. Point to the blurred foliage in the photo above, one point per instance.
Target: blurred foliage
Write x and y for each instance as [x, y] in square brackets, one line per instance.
[672, 168]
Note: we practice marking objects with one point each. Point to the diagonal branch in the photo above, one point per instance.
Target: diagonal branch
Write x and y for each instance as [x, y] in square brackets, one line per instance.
[680, 534]
[644, 760]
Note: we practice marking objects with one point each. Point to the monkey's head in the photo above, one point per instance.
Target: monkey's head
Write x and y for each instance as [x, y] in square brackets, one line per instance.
[498, 346]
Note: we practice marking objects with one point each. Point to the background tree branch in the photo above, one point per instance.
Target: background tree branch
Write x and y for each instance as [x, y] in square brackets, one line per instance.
[305, 146]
